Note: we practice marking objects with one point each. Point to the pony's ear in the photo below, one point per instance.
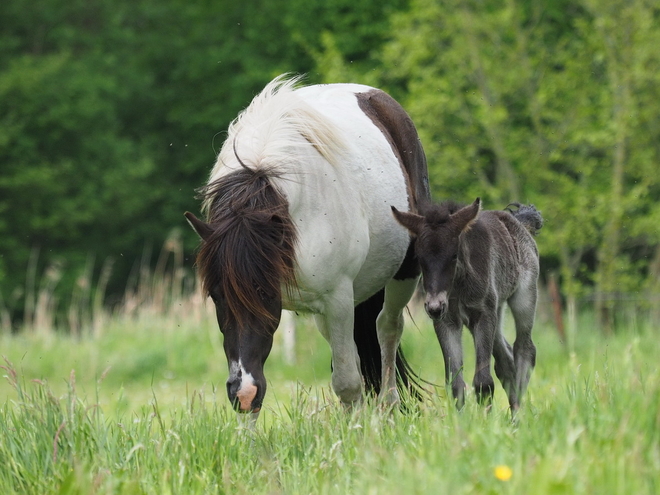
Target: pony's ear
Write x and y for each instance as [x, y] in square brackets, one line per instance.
[411, 221]
[285, 227]
[203, 229]
[467, 215]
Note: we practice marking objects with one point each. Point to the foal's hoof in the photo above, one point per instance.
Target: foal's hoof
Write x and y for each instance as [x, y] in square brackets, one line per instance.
[515, 408]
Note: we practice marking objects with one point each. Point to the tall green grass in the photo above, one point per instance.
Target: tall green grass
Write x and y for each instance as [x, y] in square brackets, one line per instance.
[140, 407]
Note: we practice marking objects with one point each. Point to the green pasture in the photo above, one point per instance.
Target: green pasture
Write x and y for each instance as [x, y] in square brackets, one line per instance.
[140, 407]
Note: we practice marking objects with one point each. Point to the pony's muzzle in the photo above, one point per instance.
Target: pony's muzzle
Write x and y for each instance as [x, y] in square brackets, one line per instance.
[242, 394]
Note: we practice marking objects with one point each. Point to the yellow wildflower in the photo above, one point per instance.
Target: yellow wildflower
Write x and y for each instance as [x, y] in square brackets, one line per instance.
[503, 473]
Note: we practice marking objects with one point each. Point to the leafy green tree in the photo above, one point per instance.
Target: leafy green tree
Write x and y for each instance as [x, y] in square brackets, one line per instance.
[111, 114]
[541, 102]
[625, 39]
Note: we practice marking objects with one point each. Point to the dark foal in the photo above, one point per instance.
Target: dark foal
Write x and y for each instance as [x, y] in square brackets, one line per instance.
[472, 263]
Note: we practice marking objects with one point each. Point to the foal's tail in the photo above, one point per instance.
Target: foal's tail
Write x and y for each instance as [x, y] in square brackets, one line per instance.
[366, 341]
[529, 216]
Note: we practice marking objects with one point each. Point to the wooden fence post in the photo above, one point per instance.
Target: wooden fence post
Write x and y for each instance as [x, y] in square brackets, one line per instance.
[555, 299]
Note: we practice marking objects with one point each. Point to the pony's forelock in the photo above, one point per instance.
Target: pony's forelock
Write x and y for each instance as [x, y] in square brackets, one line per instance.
[251, 252]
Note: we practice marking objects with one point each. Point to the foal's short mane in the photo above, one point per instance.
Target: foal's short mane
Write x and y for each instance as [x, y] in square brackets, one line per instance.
[436, 214]
[250, 254]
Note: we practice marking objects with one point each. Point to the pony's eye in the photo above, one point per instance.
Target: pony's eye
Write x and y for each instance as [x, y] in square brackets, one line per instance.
[261, 292]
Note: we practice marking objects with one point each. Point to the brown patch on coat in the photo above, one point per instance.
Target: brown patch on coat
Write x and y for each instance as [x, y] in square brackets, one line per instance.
[399, 130]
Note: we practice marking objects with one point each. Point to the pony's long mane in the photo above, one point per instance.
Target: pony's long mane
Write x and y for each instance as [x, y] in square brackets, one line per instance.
[276, 126]
[251, 252]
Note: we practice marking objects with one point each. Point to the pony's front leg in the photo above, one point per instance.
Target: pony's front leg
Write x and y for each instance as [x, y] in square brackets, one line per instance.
[336, 325]
[389, 325]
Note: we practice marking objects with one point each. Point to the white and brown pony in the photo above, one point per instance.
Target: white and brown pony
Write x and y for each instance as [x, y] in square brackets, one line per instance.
[298, 217]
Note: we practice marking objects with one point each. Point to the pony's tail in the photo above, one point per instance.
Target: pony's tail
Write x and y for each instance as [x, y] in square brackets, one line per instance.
[366, 341]
[529, 216]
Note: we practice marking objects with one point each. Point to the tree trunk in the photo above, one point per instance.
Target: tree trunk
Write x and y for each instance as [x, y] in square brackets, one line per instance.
[653, 292]
[506, 178]
[619, 56]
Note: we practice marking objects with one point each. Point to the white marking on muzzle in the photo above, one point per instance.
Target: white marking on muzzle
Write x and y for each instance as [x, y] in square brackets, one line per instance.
[248, 390]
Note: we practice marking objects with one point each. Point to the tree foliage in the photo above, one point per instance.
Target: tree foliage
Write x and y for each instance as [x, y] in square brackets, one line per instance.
[111, 114]
[554, 103]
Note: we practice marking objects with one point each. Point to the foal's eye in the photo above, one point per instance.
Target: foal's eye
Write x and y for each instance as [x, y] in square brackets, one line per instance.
[454, 257]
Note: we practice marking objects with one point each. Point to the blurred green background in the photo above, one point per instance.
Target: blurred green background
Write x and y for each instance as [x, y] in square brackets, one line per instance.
[111, 113]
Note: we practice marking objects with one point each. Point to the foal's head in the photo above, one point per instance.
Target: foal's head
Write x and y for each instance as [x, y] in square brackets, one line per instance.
[438, 232]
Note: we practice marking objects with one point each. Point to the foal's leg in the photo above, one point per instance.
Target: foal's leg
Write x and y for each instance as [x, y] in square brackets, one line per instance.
[389, 325]
[483, 326]
[449, 331]
[336, 325]
[505, 368]
[523, 307]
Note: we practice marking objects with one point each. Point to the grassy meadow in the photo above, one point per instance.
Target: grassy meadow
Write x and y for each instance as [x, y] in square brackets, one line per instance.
[138, 406]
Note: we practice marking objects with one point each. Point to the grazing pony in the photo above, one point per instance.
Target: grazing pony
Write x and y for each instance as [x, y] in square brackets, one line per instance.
[298, 217]
[472, 263]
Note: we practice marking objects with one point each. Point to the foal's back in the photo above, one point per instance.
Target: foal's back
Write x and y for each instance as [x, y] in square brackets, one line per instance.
[498, 251]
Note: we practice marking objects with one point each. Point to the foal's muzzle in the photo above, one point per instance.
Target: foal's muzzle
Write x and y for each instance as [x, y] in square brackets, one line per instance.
[436, 312]
[436, 306]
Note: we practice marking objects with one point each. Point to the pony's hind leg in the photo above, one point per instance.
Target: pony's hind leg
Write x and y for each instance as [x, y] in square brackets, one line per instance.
[450, 334]
[389, 325]
[523, 307]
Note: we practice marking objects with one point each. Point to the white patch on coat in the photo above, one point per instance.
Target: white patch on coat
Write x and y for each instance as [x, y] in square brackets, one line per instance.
[339, 190]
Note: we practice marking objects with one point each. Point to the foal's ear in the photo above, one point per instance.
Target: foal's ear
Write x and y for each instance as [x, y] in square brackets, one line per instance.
[203, 229]
[467, 215]
[411, 221]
